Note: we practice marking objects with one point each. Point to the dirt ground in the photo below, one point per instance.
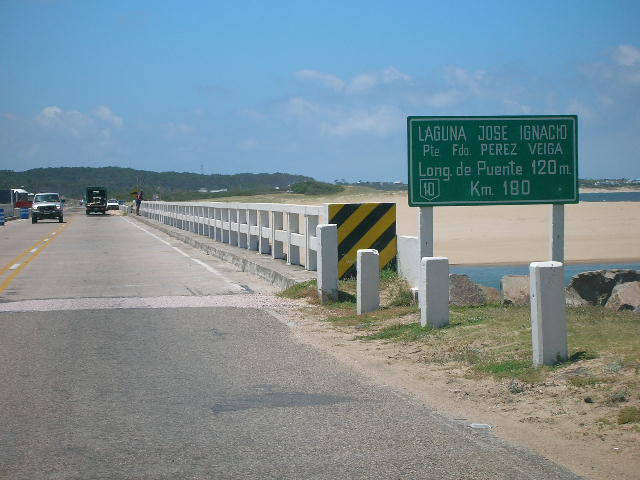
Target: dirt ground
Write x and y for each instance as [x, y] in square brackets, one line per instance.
[551, 418]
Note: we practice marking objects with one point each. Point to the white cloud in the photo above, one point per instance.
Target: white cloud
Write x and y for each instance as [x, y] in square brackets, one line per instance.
[392, 74]
[71, 122]
[325, 79]
[49, 114]
[471, 81]
[361, 83]
[516, 107]
[365, 82]
[445, 98]
[299, 107]
[626, 55]
[104, 113]
[580, 108]
[380, 121]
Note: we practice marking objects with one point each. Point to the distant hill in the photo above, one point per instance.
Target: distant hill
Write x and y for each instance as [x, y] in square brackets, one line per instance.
[71, 181]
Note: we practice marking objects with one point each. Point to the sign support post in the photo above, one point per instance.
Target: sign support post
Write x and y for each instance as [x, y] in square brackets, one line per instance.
[425, 233]
[556, 244]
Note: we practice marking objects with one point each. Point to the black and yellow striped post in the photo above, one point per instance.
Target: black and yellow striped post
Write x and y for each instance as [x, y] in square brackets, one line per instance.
[363, 225]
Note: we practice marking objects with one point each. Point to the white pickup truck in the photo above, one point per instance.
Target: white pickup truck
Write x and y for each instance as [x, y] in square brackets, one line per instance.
[47, 205]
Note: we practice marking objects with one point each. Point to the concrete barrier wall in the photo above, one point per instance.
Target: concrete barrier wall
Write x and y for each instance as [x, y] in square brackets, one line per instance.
[409, 259]
[281, 230]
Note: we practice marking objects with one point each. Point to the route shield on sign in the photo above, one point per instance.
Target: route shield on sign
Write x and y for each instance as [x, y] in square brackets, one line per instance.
[429, 188]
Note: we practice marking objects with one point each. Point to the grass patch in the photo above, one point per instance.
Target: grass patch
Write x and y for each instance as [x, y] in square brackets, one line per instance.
[583, 381]
[629, 415]
[388, 275]
[409, 332]
[399, 293]
[597, 330]
[369, 319]
[514, 369]
[301, 290]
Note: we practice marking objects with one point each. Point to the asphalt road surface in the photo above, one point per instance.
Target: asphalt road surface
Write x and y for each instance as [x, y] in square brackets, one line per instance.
[126, 355]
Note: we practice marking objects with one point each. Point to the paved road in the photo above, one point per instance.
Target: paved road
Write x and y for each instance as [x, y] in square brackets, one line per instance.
[110, 369]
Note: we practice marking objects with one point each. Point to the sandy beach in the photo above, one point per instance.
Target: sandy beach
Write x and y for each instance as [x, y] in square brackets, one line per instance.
[595, 232]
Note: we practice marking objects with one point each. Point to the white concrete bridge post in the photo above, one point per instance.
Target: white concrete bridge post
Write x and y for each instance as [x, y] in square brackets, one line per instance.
[434, 292]
[548, 320]
[327, 261]
[368, 281]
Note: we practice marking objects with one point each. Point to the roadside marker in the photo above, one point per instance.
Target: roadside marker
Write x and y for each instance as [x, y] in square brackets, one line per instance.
[363, 226]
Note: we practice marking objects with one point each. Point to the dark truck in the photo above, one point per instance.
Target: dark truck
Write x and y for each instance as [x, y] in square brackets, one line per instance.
[95, 200]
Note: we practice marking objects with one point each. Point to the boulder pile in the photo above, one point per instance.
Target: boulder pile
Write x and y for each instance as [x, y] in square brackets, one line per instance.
[614, 289]
[463, 292]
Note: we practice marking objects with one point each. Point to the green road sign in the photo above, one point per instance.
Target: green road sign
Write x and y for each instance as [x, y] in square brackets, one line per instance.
[492, 160]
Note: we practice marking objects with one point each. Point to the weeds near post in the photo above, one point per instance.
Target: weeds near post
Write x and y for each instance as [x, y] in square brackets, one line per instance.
[629, 415]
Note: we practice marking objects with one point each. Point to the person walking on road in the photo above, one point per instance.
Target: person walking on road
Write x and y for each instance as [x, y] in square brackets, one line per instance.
[139, 198]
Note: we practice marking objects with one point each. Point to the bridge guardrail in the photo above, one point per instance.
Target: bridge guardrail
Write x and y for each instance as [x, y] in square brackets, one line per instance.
[283, 231]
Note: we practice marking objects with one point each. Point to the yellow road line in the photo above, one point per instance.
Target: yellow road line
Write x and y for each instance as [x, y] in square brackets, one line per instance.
[15, 260]
[43, 244]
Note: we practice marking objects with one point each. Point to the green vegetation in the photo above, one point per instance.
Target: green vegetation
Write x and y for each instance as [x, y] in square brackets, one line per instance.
[313, 187]
[629, 415]
[301, 290]
[409, 332]
[495, 340]
[399, 293]
[71, 182]
[583, 381]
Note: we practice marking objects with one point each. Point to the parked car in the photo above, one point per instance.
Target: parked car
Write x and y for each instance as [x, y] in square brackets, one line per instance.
[113, 204]
[47, 205]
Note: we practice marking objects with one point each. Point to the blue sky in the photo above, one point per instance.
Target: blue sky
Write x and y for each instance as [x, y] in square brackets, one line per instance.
[315, 88]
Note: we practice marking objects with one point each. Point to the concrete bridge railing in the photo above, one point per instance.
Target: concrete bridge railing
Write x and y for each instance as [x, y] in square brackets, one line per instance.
[281, 230]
